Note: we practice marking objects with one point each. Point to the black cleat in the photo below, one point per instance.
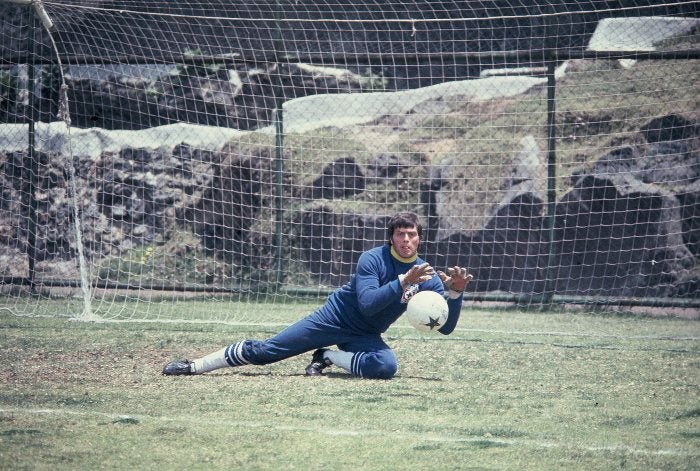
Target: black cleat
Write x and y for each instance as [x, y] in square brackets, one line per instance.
[318, 363]
[178, 367]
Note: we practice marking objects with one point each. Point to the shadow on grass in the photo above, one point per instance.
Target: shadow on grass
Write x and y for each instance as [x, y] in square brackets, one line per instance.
[330, 375]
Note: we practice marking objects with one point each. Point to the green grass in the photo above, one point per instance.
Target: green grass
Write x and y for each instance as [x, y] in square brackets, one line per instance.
[508, 390]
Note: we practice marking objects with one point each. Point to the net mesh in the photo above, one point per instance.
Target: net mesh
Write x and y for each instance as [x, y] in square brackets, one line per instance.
[251, 152]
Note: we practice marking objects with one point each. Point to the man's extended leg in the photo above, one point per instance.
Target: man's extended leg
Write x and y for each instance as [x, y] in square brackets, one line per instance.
[307, 334]
[205, 364]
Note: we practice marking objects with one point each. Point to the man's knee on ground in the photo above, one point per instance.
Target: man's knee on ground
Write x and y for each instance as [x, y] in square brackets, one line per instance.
[379, 367]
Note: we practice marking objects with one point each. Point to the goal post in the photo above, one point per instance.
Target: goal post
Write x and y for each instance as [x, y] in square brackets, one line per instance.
[155, 154]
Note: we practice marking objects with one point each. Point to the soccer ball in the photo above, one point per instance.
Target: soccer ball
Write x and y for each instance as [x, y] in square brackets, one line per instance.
[427, 311]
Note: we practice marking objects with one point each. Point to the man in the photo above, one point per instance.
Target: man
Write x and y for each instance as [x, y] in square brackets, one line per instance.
[355, 316]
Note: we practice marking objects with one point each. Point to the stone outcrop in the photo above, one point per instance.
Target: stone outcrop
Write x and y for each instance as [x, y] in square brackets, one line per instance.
[618, 236]
[628, 226]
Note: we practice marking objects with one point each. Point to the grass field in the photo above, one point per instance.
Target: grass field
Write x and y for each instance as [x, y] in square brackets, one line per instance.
[508, 390]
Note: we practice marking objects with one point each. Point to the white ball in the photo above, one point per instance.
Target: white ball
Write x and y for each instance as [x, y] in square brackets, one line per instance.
[427, 311]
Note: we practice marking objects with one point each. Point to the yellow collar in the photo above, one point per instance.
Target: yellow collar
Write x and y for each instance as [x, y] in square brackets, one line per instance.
[398, 257]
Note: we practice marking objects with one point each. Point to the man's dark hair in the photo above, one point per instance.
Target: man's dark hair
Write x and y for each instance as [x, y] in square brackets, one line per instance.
[405, 219]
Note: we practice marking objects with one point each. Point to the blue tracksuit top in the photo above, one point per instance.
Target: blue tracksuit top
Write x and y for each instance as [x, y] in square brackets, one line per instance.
[371, 301]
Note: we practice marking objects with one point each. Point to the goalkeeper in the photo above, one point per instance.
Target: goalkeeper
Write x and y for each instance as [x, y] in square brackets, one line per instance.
[355, 316]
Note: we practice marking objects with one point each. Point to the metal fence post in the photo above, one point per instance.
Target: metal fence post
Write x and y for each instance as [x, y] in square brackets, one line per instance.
[30, 118]
[279, 151]
[551, 179]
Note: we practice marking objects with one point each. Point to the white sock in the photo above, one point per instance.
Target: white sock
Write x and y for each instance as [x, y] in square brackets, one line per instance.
[210, 362]
[340, 358]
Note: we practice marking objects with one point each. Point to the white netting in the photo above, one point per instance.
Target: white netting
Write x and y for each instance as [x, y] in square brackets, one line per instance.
[552, 148]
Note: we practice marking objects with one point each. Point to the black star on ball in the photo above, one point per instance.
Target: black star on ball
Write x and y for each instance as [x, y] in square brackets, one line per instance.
[433, 323]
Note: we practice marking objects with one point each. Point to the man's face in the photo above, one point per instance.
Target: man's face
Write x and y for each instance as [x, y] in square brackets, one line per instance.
[405, 241]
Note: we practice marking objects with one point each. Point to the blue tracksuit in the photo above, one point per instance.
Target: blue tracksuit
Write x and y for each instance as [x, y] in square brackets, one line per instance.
[353, 318]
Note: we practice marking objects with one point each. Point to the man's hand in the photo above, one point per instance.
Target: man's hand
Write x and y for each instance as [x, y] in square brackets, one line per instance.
[456, 279]
[416, 274]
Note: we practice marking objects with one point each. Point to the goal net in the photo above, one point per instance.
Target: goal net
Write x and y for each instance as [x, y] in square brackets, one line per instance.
[159, 154]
